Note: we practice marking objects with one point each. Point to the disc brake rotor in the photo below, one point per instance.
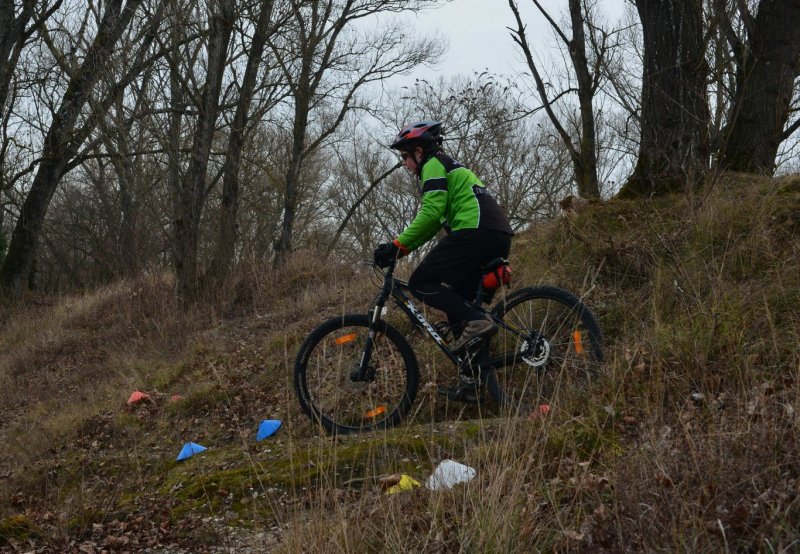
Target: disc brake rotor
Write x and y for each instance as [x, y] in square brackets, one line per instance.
[536, 349]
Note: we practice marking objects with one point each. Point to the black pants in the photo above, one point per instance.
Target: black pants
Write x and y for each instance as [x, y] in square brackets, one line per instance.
[448, 277]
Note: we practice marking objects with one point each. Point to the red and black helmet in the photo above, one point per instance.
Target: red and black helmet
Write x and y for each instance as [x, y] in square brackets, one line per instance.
[422, 133]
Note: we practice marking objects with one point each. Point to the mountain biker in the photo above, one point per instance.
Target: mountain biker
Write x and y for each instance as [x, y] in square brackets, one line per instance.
[477, 229]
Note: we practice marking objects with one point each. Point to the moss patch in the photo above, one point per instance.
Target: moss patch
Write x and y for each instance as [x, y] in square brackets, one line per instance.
[17, 528]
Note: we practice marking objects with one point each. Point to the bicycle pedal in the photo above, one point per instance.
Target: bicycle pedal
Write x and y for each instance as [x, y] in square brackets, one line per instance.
[468, 366]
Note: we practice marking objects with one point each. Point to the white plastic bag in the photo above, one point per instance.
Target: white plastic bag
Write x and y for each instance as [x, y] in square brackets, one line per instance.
[448, 474]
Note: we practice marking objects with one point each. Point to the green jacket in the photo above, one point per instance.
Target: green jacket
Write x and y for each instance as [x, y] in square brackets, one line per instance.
[454, 198]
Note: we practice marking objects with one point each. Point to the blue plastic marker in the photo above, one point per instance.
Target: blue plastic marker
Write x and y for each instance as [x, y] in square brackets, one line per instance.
[267, 428]
[190, 449]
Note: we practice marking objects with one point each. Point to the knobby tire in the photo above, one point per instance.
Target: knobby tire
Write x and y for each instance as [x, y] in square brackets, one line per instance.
[326, 361]
[559, 351]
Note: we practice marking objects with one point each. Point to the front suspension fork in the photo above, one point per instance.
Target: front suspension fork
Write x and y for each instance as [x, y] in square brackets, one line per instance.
[363, 373]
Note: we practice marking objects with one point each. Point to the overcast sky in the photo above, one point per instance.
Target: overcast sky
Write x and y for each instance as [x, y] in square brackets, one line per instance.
[478, 36]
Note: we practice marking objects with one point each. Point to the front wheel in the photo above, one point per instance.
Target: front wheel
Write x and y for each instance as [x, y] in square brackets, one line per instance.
[551, 345]
[332, 390]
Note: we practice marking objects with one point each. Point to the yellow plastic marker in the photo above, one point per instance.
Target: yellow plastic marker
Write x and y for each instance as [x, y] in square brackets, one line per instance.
[406, 484]
[345, 339]
[376, 412]
[576, 338]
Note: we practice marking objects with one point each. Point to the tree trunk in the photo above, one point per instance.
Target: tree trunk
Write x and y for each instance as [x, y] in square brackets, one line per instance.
[125, 256]
[59, 148]
[764, 89]
[12, 38]
[192, 193]
[291, 197]
[585, 160]
[584, 154]
[226, 240]
[673, 151]
[176, 100]
[22, 249]
[126, 241]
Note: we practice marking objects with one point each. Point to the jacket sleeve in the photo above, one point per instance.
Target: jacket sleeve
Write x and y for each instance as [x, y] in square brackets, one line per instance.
[432, 212]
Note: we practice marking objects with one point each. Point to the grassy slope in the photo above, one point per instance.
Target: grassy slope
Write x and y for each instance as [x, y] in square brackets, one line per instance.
[688, 442]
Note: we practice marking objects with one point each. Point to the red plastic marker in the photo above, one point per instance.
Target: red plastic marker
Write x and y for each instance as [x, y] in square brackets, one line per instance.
[137, 396]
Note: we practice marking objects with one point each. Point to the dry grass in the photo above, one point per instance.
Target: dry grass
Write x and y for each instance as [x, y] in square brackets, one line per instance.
[687, 443]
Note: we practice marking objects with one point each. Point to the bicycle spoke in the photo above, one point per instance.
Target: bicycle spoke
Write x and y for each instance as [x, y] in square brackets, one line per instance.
[557, 348]
[335, 390]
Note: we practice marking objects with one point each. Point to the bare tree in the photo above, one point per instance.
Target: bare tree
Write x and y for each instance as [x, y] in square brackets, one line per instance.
[265, 158]
[767, 62]
[228, 213]
[192, 189]
[326, 63]
[123, 161]
[674, 149]
[619, 120]
[584, 153]
[64, 136]
[105, 218]
[116, 156]
[17, 26]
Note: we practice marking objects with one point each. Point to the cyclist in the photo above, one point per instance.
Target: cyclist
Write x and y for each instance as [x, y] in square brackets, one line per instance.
[477, 229]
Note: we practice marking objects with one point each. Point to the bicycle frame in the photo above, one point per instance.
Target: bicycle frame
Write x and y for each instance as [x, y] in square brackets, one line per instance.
[404, 303]
[395, 288]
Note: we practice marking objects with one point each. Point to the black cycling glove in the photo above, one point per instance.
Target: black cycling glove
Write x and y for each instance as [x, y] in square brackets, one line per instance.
[384, 254]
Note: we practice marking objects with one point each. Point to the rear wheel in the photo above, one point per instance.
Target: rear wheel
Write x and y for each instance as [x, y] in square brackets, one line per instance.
[328, 384]
[552, 345]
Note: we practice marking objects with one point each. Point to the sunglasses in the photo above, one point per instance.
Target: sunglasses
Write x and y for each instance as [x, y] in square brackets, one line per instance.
[405, 155]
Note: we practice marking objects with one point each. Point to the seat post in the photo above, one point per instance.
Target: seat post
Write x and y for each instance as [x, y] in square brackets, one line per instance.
[478, 302]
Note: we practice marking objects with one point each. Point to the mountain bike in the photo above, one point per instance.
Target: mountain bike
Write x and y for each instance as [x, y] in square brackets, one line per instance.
[358, 372]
